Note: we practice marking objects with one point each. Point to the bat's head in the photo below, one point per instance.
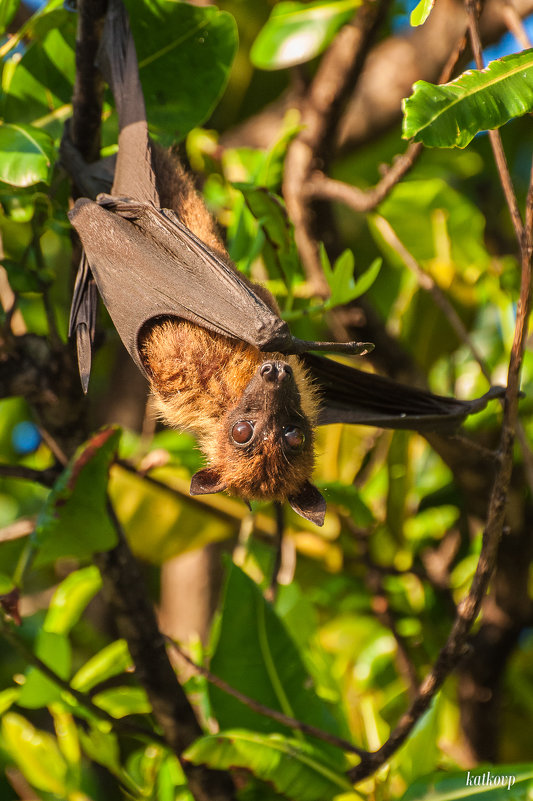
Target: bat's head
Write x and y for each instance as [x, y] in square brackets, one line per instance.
[265, 444]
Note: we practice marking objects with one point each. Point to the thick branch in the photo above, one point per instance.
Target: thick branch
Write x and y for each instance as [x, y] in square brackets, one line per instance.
[88, 86]
[135, 619]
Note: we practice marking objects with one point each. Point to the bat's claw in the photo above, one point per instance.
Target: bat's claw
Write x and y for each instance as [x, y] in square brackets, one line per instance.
[351, 348]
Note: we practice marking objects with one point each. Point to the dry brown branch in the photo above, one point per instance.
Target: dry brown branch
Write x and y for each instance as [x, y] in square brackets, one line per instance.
[391, 69]
[514, 22]
[44, 477]
[427, 283]
[337, 74]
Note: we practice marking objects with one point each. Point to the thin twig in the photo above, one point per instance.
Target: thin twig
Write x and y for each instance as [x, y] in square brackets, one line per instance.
[514, 23]
[44, 477]
[54, 446]
[17, 530]
[470, 606]
[321, 187]
[270, 594]
[427, 283]
[255, 706]
[120, 724]
[494, 136]
[333, 83]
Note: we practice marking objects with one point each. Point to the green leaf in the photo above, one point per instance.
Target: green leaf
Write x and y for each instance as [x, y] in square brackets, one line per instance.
[256, 655]
[110, 661]
[27, 155]
[349, 496]
[185, 55]
[38, 86]
[66, 733]
[8, 9]
[102, 747]
[452, 114]
[421, 754]
[422, 11]
[8, 698]
[341, 279]
[293, 767]
[6, 584]
[36, 754]
[296, 32]
[122, 701]
[75, 521]
[492, 783]
[38, 690]
[70, 599]
[269, 210]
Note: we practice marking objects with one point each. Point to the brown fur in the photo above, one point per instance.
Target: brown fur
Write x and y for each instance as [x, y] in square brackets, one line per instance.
[199, 377]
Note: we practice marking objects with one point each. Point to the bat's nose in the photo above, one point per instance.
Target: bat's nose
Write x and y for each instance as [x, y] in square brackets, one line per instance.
[275, 372]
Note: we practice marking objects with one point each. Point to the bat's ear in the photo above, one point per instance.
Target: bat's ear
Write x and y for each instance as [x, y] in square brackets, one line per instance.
[309, 503]
[206, 481]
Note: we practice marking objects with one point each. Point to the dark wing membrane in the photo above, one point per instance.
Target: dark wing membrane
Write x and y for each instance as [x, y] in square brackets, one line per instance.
[352, 396]
[147, 265]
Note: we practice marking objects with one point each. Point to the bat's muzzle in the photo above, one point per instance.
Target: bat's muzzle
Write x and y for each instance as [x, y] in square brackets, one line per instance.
[275, 372]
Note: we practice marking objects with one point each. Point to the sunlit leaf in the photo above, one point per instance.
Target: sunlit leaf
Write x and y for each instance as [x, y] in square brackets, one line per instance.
[36, 754]
[8, 9]
[185, 55]
[110, 661]
[75, 521]
[255, 655]
[71, 598]
[344, 288]
[38, 86]
[484, 783]
[122, 701]
[421, 12]
[297, 32]
[452, 114]
[39, 690]
[66, 733]
[292, 766]
[8, 698]
[27, 155]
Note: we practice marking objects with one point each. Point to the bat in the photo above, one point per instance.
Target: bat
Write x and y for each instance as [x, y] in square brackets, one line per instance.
[220, 360]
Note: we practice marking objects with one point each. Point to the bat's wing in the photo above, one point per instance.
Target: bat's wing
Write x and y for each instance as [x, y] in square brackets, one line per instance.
[146, 264]
[352, 396]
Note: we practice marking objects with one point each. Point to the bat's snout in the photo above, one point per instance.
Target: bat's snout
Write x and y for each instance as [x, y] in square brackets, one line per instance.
[275, 372]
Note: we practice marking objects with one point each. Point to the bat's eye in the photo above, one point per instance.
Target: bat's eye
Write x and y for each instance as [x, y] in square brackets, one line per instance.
[242, 432]
[294, 437]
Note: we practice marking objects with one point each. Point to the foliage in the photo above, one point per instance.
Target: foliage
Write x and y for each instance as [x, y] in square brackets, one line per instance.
[323, 653]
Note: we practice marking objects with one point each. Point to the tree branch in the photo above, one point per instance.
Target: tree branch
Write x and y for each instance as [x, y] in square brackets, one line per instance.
[337, 74]
[119, 724]
[261, 709]
[136, 621]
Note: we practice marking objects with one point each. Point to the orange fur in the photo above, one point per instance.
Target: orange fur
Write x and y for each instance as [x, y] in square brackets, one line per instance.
[198, 377]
